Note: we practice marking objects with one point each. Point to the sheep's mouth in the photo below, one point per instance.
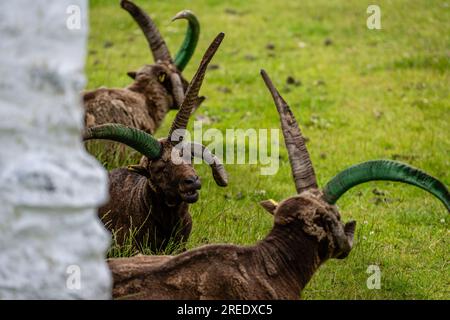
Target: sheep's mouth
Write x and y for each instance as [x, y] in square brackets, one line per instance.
[189, 196]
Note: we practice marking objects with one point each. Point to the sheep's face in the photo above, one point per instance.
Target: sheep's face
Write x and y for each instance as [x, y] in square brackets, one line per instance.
[157, 78]
[316, 218]
[177, 181]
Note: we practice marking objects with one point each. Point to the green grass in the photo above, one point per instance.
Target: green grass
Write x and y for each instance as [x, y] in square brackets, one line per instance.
[370, 94]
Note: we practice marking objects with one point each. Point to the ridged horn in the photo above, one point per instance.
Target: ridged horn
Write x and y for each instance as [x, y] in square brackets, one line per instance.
[191, 95]
[155, 40]
[190, 41]
[384, 170]
[301, 165]
[132, 137]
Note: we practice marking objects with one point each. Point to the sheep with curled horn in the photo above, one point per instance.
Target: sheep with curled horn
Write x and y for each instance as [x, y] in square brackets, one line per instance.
[156, 89]
[307, 231]
[153, 197]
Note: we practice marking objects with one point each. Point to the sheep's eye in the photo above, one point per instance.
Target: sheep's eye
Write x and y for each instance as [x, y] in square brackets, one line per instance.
[161, 77]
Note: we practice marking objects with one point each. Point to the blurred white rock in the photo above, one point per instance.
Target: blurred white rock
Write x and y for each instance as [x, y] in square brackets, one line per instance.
[52, 245]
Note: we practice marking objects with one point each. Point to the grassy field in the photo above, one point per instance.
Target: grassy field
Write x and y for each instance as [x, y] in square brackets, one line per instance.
[363, 94]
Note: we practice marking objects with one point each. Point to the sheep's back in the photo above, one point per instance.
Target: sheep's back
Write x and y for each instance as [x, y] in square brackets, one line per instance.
[117, 106]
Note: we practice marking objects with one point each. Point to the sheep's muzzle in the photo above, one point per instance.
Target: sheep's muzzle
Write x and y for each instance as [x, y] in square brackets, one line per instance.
[188, 189]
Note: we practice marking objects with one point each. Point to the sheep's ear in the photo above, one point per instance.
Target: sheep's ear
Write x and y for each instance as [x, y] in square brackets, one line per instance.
[132, 74]
[139, 170]
[270, 205]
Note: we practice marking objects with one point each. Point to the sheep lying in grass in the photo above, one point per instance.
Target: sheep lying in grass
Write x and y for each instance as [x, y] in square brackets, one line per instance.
[156, 88]
[307, 231]
[154, 196]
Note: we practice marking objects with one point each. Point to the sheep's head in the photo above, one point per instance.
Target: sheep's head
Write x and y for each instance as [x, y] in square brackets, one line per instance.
[170, 175]
[167, 162]
[316, 218]
[160, 79]
[165, 74]
[313, 210]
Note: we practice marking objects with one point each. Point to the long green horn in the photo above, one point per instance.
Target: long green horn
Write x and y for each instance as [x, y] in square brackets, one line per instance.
[134, 138]
[384, 170]
[187, 49]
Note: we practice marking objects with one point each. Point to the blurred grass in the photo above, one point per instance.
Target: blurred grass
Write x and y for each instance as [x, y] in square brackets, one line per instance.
[368, 94]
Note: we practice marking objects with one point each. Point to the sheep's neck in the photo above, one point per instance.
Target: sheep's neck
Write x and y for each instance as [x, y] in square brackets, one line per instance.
[138, 87]
[291, 255]
[157, 97]
[164, 215]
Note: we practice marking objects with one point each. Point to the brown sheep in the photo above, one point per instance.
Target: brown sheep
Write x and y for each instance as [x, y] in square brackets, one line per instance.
[153, 197]
[307, 231]
[156, 88]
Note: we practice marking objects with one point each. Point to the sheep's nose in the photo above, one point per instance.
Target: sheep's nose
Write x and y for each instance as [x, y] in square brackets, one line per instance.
[192, 182]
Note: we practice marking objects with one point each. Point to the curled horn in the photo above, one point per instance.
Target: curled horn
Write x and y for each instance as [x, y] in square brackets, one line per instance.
[191, 96]
[156, 42]
[134, 138]
[187, 49]
[343, 235]
[177, 88]
[218, 170]
[384, 170]
[302, 169]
